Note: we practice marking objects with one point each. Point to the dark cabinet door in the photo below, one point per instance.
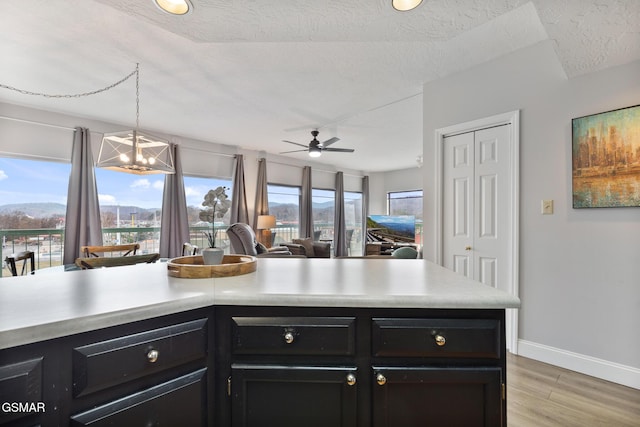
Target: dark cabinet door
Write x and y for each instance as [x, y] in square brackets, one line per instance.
[439, 397]
[295, 396]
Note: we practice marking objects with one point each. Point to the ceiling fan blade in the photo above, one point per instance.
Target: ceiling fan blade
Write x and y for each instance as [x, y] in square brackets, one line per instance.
[294, 151]
[340, 150]
[295, 143]
[330, 141]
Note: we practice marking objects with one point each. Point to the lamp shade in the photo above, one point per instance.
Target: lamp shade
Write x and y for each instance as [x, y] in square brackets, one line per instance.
[266, 221]
[133, 152]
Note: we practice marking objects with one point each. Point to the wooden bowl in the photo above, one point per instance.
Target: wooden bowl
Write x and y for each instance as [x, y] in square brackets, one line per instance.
[192, 267]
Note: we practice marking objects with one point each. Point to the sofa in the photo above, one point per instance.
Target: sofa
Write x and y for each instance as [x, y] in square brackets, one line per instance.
[309, 248]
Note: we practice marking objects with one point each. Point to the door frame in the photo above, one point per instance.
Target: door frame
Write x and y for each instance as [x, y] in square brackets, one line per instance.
[509, 118]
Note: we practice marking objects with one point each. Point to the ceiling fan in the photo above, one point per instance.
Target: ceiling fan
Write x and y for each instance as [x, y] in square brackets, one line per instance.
[315, 147]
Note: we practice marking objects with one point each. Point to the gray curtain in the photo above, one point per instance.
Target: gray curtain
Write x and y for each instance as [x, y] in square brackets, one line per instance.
[82, 224]
[306, 206]
[365, 211]
[174, 226]
[339, 227]
[239, 209]
[262, 198]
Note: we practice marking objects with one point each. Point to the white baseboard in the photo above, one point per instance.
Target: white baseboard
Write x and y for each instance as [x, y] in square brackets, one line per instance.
[599, 368]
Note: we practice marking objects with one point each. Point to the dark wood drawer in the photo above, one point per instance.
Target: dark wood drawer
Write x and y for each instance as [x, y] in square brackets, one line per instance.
[179, 402]
[21, 383]
[107, 363]
[294, 335]
[436, 337]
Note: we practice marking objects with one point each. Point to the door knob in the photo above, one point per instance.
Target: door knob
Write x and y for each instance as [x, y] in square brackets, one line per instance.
[467, 248]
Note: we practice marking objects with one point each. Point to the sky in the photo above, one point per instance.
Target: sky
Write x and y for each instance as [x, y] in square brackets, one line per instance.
[29, 181]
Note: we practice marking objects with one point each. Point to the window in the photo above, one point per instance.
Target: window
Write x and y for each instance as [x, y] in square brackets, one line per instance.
[195, 188]
[284, 203]
[407, 203]
[130, 208]
[33, 196]
[353, 222]
[323, 211]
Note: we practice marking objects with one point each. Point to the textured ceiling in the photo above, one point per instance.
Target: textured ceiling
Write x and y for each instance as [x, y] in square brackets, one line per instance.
[252, 73]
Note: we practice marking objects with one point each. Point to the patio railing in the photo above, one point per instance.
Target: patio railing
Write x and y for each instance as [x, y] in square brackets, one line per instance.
[47, 244]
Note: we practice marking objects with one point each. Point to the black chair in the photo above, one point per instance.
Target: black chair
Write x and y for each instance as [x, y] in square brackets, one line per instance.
[24, 256]
[189, 250]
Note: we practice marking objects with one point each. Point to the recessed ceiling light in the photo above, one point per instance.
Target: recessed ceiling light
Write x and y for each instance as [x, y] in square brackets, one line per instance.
[174, 7]
[405, 5]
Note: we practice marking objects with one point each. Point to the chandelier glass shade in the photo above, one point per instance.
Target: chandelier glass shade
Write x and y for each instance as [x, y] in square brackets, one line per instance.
[132, 152]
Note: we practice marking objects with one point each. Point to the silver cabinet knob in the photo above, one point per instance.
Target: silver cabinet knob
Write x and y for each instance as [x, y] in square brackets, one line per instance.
[440, 340]
[381, 379]
[351, 379]
[152, 356]
[288, 337]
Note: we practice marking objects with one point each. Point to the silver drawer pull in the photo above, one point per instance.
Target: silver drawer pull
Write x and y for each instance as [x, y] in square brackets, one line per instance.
[351, 379]
[381, 379]
[152, 356]
[440, 340]
[288, 337]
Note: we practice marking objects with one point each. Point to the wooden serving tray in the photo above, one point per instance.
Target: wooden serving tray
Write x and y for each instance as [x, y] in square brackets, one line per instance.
[192, 267]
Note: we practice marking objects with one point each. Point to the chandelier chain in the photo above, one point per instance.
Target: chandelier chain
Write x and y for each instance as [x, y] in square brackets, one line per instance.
[80, 95]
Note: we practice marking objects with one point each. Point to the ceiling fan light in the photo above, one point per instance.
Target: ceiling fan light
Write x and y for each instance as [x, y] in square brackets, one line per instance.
[174, 7]
[405, 5]
[314, 152]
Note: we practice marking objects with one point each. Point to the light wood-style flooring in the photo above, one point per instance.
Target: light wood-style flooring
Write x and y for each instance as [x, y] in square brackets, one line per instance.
[542, 395]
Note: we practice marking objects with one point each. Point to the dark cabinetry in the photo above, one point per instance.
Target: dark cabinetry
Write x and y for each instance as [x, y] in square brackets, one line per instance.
[360, 367]
[154, 372]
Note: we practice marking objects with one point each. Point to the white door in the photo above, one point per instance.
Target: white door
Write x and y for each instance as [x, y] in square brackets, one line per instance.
[477, 196]
[476, 205]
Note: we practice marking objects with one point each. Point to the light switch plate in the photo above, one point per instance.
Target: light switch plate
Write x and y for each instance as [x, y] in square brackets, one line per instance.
[547, 207]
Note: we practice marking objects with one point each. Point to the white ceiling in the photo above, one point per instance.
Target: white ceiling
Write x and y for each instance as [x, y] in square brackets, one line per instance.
[251, 73]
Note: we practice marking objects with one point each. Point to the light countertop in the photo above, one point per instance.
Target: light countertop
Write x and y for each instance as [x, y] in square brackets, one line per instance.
[45, 306]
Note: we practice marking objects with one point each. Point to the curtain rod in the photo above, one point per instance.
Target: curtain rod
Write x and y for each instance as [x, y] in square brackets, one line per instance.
[37, 123]
[312, 168]
[207, 151]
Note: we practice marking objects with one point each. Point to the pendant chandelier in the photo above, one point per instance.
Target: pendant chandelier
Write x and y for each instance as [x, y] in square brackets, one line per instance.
[133, 152]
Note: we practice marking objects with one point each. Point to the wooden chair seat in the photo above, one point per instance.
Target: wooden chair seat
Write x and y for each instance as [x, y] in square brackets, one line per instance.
[123, 250]
[88, 263]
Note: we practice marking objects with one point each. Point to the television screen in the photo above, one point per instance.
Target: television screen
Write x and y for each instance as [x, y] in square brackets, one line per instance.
[391, 228]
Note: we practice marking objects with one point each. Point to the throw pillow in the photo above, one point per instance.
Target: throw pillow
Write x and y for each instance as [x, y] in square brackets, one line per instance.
[308, 246]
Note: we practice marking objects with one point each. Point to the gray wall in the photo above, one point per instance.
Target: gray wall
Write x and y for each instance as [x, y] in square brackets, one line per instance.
[579, 268]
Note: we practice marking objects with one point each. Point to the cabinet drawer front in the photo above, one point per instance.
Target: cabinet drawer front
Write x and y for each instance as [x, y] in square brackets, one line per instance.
[294, 335]
[21, 383]
[309, 396]
[436, 337]
[116, 361]
[179, 402]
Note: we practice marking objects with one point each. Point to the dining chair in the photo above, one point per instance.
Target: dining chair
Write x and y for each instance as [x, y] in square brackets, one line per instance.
[25, 257]
[123, 250]
[189, 250]
[89, 263]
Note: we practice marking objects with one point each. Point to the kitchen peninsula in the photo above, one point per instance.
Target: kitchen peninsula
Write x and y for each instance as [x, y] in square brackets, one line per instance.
[349, 342]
